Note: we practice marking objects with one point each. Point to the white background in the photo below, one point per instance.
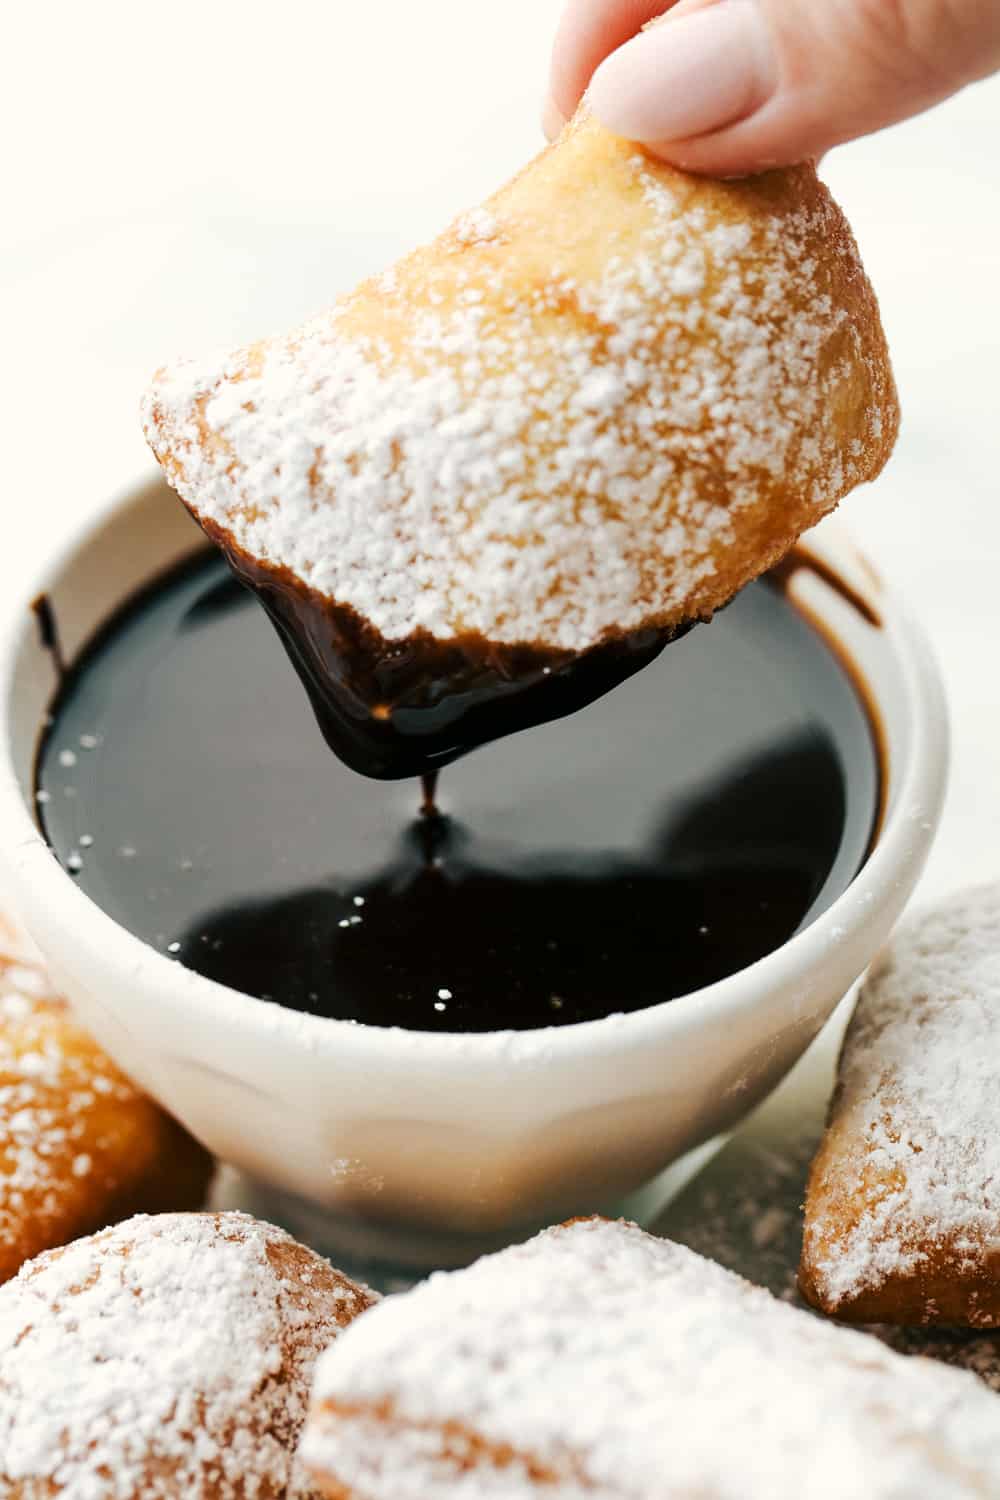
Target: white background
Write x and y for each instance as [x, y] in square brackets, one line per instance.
[200, 172]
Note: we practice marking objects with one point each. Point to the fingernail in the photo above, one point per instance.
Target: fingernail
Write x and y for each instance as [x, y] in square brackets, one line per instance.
[692, 74]
[553, 119]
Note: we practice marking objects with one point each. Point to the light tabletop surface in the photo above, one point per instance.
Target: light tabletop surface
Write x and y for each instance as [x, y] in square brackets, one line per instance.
[181, 178]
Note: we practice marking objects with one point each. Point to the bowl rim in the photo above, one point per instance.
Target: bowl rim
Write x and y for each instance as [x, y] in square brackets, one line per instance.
[900, 850]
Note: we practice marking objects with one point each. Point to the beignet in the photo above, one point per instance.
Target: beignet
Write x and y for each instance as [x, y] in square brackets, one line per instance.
[599, 1363]
[170, 1356]
[902, 1220]
[80, 1145]
[591, 410]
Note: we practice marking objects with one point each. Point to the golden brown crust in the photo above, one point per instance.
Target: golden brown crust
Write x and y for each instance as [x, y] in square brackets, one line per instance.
[459, 1450]
[946, 1285]
[248, 1307]
[80, 1145]
[856, 349]
[902, 1211]
[692, 373]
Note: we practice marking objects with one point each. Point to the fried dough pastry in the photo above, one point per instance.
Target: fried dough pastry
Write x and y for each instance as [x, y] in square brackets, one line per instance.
[902, 1221]
[169, 1356]
[594, 407]
[80, 1146]
[599, 1363]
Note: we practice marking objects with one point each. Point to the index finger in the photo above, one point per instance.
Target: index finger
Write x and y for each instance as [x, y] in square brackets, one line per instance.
[588, 31]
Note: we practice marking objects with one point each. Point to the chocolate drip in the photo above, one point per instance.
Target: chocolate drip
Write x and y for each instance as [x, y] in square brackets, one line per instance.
[428, 789]
[391, 709]
[48, 632]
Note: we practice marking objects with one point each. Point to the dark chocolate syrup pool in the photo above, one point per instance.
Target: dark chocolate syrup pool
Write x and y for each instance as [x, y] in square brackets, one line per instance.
[663, 837]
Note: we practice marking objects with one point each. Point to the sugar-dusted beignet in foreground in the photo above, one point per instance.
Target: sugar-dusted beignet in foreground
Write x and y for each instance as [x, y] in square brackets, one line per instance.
[599, 1363]
[169, 1358]
[80, 1145]
[903, 1207]
[597, 406]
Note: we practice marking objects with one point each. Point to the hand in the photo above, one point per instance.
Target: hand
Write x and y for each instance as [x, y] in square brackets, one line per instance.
[734, 86]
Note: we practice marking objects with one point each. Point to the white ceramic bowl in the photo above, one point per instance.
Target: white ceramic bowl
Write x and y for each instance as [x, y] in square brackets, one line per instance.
[466, 1136]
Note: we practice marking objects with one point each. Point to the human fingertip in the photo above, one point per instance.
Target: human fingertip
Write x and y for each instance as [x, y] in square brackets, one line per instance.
[687, 76]
[553, 118]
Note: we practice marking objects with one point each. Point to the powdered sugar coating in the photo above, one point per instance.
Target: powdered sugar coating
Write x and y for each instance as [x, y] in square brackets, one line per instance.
[80, 1145]
[169, 1356]
[49, 1092]
[751, 1222]
[907, 1183]
[604, 400]
[597, 1361]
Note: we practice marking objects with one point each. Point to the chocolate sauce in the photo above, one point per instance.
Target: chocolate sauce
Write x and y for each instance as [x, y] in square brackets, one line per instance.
[393, 709]
[663, 837]
[801, 560]
[48, 633]
[428, 789]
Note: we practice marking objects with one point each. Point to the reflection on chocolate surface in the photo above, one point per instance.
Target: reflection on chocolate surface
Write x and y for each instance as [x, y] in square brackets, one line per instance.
[450, 936]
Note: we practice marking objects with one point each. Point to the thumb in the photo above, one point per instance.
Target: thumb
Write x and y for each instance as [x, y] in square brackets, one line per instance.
[731, 86]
